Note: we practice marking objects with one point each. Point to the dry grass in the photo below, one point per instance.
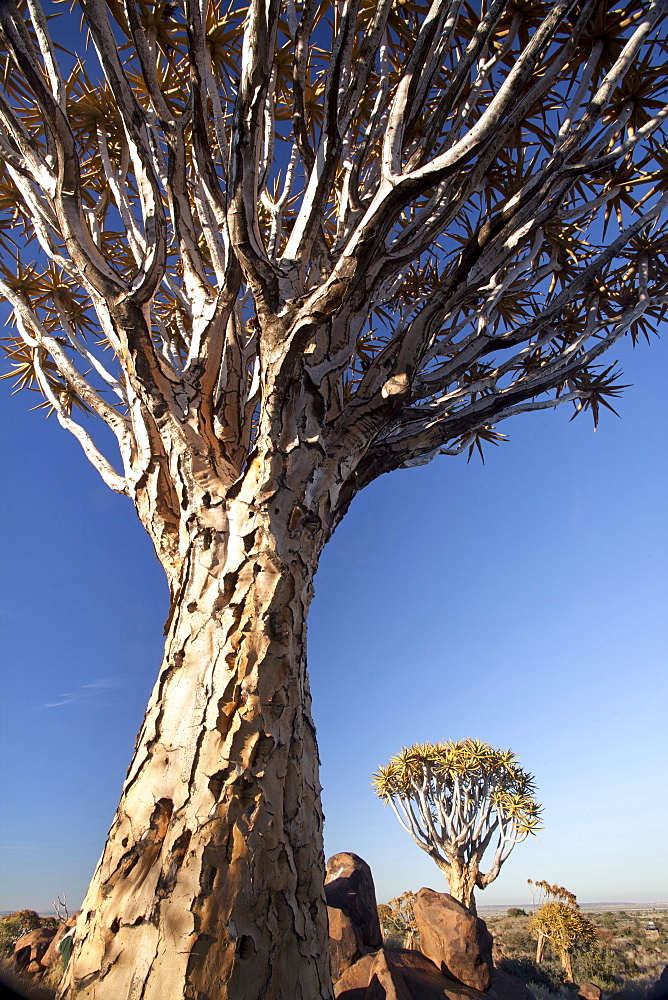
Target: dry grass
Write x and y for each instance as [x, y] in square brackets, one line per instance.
[628, 953]
[26, 985]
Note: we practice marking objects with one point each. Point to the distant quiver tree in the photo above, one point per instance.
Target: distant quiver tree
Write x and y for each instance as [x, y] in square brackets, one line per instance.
[279, 249]
[397, 917]
[560, 922]
[456, 800]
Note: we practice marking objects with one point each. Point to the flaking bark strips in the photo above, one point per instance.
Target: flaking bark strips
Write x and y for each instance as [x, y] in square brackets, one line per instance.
[266, 368]
[221, 804]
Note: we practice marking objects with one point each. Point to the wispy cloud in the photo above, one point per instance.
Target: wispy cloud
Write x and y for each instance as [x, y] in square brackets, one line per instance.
[86, 692]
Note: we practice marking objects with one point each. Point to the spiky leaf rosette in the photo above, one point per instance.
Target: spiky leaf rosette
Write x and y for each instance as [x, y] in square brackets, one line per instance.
[563, 925]
[457, 798]
[552, 893]
[445, 213]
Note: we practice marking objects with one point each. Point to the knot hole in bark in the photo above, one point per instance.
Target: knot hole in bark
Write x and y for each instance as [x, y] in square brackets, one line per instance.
[246, 946]
[160, 817]
[278, 627]
[168, 875]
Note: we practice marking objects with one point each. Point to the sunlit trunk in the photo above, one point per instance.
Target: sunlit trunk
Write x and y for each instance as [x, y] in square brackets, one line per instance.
[567, 965]
[461, 882]
[541, 944]
[211, 883]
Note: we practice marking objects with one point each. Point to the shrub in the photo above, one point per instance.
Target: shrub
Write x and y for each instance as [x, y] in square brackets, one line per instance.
[14, 925]
[517, 943]
[542, 992]
[515, 911]
[394, 942]
[599, 966]
[546, 975]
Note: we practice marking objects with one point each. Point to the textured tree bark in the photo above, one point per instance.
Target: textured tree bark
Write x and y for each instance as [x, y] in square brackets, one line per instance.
[461, 880]
[211, 882]
[567, 964]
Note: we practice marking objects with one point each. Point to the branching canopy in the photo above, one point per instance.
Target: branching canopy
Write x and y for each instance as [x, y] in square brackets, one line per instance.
[553, 893]
[397, 916]
[433, 214]
[456, 799]
[560, 921]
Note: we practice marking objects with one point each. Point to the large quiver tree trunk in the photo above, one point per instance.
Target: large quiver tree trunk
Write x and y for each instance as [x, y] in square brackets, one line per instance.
[211, 882]
[285, 324]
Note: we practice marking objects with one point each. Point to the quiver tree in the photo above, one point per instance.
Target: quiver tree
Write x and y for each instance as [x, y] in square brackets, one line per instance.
[560, 922]
[397, 917]
[456, 800]
[279, 250]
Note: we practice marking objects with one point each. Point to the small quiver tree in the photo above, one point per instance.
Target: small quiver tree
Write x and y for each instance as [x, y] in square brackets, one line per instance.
[397, 917]
[15, 925]
[560, 922]
[456, 800]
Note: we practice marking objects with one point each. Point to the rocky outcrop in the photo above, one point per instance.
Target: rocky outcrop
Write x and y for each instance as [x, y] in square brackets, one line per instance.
[417, 975]
[660, 989]
[30, 949]
[589, 991]
[386, 981]
[345, 942]
[349, 887]
[455, 940]
[409, 975]
[354, 928]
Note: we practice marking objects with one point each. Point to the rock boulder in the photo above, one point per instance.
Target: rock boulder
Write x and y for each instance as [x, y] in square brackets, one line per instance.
[30, 948]
[349, 887]
[345, 942]
[408, 975]
[660, 989]
[354, 928]
[455, 940]
[589, 991]
[386, 980]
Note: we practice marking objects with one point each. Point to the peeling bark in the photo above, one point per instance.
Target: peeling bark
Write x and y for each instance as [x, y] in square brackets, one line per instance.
[211, 883]
[461, 881]
[283, 328]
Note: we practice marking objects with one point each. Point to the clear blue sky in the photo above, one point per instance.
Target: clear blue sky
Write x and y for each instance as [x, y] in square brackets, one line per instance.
[523, 603]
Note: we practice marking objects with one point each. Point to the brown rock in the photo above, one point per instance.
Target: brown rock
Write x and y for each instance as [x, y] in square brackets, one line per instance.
[387, 982]
[421, 979]
[31, 947]
[660, 989]
[345, 942]
[455, 940]
[353, 983]
[349, 887]
[53, 953]
[589, 991]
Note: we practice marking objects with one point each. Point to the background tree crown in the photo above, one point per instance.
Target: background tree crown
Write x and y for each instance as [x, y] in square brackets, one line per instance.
[456, 799]
[467, 777]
